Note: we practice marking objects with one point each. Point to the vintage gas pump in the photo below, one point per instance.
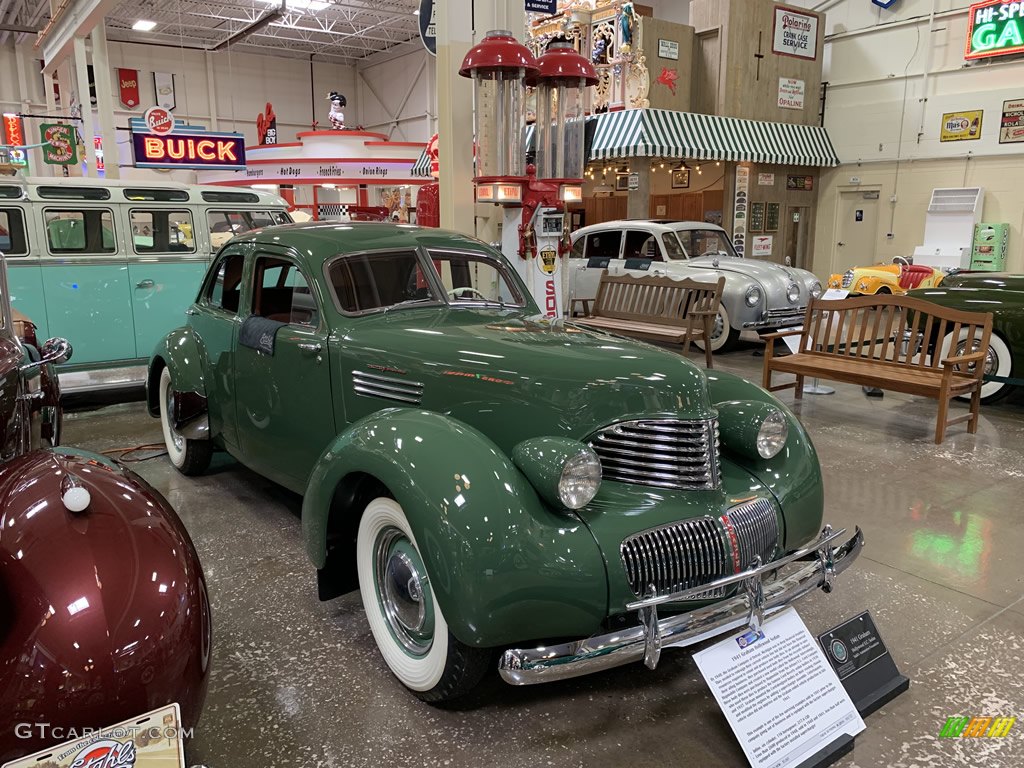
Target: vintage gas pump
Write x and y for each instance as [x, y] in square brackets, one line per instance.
[534, 232]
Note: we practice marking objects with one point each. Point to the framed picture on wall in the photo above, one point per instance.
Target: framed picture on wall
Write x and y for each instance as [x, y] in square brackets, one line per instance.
[756, 220]
[772, 212]
[622, 182]
[681, 178]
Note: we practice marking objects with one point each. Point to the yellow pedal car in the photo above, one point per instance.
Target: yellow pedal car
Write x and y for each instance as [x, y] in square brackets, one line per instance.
[896, 278]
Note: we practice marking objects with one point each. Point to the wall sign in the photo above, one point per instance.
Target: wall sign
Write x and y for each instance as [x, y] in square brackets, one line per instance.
[802, 183]
[200, 150]
[668, 49]
[739, 208]
[995, 28]
[771, 217]
[1011, 127]
[762, 246]
[766, 179]
[961, 126]
[548, 7]
[428, 26]
[159, 121]
[796, 33]
[163, 87]
[357, 171]
[756, 217]
[14, 136]
[61, 145]
[791, 93]
[128, 87]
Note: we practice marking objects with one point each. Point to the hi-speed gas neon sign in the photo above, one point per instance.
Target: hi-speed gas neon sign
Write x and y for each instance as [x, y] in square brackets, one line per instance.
[995, 28]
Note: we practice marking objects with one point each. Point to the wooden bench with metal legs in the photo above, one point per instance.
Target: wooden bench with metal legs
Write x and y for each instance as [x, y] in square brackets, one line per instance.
[890, 342]
[656, 308]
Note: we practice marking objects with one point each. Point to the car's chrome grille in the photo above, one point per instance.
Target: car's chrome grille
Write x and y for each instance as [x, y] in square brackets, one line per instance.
[847, 279]
[387, 387]
[755, 527]
[787, 313]
[684, 555]
[666, 453]
[677, 557]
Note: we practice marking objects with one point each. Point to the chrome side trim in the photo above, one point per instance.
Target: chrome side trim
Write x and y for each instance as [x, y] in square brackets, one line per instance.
[527, 666]
[387, 387]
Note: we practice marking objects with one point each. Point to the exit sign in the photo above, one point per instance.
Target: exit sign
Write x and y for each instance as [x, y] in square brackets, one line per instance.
[995, 28]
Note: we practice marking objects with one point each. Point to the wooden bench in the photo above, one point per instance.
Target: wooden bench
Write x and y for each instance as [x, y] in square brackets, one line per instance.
[656, 308]
[890, 342]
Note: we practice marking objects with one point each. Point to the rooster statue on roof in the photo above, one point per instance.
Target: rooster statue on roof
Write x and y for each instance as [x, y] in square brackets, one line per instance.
[337, 117]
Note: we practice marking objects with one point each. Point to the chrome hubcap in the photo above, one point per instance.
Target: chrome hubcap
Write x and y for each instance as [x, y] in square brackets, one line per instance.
[991, 359]
[404, 592]
[178, 440]
[719, 327]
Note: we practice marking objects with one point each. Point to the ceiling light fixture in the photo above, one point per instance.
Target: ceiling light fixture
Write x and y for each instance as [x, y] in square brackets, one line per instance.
[144, 26]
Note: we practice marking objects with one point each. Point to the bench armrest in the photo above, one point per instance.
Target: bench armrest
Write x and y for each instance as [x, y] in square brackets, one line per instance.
[973, 357]
[585, 302]
[780, 334]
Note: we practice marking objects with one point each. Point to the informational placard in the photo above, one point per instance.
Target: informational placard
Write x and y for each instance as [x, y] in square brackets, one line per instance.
[542, 6]
[778, 692]
[756, 217]
[739, 209]
[791, 93]
[995, 28]
[961, 126]
[668, 49]
[634, 182]
[795, 33]
[1011, 126]
[60, 146]
[151, 740]
[771, 217]
[762, 246]
[802, 183]
[428, 26]
[766, 179]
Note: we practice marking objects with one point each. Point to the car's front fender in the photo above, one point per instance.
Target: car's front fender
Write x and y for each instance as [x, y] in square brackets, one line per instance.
[503, 565]
[180, 351]
[793, 476]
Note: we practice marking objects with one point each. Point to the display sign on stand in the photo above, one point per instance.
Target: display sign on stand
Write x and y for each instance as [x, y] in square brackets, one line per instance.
[782, 699]
[865, 667]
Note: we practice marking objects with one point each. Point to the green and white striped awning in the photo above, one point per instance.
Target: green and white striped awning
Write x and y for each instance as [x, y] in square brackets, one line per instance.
[422, 166]
[684, 135]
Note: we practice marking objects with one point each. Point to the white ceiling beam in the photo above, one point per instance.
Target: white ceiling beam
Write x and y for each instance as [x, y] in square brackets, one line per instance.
[77, 19]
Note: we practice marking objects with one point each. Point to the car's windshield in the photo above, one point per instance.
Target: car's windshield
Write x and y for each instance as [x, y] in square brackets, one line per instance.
[705, 242]
[673, 248]
[391, 279]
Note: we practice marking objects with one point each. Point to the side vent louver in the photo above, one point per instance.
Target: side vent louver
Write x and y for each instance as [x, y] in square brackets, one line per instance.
[387, 387]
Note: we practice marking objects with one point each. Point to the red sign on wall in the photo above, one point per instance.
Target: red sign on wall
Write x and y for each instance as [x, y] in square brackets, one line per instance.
[14, 134]
[128, 87]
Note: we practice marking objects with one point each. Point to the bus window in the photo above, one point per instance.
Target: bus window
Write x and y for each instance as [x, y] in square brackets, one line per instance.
[162, 231]
[226, 224]
[80, 231]
[13, 241]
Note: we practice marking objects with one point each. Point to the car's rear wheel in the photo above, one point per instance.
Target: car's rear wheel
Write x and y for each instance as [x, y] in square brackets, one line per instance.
[997, 363]
[723, 336]
[406, 621]
[190, 457]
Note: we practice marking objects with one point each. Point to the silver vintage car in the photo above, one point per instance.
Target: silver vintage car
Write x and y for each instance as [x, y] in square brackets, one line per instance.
[758, 296]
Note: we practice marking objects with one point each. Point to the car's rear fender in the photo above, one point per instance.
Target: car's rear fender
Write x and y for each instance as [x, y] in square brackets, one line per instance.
[503, 565]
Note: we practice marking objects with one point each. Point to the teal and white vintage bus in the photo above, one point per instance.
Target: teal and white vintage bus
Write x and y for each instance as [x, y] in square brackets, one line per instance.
[112, 265]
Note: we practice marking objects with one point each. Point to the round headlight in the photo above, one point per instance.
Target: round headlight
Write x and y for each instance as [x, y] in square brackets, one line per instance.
[753, 296]
[815, 289]
[793, 293]
[771, 437]
[580, 480]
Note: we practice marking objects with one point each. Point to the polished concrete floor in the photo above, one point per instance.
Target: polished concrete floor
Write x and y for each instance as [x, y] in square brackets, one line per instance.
[297, 682]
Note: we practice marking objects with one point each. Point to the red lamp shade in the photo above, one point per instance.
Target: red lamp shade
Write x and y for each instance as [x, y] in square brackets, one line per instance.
[499, 51]
[562, 62]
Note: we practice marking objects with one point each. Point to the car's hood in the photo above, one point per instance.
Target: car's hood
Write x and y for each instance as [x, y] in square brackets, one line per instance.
[999, 280]
[514, 377]
[772, 277]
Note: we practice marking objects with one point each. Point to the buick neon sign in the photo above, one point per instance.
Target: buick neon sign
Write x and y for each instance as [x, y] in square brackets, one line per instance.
[995, 28]
[223, 151]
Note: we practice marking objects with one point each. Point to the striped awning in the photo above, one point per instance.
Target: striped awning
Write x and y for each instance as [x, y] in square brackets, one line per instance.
[683, 135]
[421, 168]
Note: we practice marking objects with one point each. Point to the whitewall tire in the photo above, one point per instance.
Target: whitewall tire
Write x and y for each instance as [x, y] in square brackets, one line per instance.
[406, 621]
[997, 363]
[723, 336]
[190, 457]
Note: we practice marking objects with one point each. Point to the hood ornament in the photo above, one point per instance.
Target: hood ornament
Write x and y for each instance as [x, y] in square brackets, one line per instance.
[715, 262]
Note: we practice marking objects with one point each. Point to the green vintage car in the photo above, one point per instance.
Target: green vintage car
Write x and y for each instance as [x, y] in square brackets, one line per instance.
[1002, 295]
[490, 481]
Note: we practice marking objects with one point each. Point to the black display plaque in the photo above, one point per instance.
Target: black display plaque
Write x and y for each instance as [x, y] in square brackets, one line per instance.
[862, 662]
[756, 217]
[772, 214]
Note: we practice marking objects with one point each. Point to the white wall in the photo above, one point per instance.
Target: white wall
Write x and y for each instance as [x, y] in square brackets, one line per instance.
[397, 94]
[892, 74]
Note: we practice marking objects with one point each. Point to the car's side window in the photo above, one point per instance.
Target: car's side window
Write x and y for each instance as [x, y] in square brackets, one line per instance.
[672, 246]
[641, 245]
[603, 244]
[80, 231]
[577, 248]
[225, 291]
[13, 239]
[364, 282]
[281, 292]
[162, 231]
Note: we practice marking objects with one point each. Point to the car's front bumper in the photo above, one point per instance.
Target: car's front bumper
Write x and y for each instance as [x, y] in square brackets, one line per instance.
[777, 318]
[526, 666]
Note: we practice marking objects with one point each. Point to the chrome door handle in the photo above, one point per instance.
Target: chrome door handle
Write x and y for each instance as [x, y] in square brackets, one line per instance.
[312, 348]
[191, 311]
[145, 284]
